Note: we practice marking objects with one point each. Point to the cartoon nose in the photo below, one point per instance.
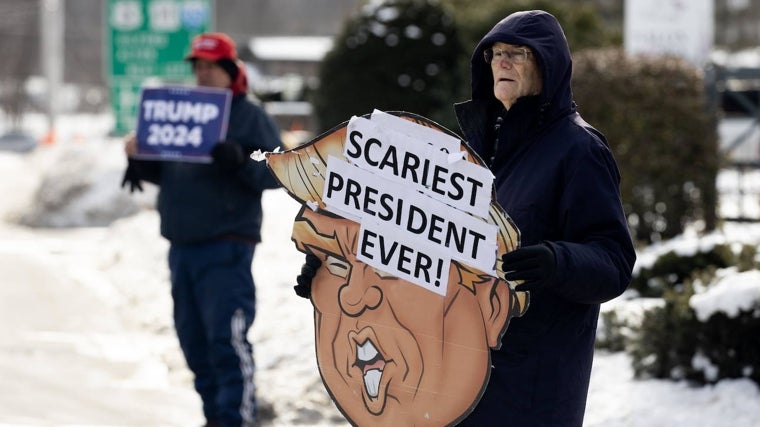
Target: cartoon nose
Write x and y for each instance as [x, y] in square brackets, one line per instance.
[358, 295]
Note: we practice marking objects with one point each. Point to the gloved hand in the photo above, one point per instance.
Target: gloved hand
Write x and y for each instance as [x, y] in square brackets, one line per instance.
[535, 265]
[131, 177]
[308, 271]
[228, 155]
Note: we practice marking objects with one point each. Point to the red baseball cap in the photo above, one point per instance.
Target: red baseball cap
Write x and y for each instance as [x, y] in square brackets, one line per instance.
[212, 47]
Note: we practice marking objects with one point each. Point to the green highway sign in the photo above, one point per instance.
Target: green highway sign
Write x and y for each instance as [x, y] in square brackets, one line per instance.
[146, 43]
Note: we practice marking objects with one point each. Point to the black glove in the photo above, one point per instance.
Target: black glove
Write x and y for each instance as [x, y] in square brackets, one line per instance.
[535, 265]
[308, 271]
[228, 155]
[131, 177]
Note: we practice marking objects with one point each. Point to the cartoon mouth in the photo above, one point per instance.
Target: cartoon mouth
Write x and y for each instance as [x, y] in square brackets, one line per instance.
[371, 363]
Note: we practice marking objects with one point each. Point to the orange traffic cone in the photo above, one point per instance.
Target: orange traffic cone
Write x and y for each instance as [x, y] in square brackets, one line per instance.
[49, 138]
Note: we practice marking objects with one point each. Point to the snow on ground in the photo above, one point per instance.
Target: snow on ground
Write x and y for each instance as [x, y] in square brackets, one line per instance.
[85, 314]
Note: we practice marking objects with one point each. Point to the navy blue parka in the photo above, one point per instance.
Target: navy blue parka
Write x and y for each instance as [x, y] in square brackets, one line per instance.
[556, 177]
[201, 202]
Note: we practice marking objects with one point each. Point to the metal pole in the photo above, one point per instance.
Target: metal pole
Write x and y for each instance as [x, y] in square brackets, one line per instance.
[51, 61]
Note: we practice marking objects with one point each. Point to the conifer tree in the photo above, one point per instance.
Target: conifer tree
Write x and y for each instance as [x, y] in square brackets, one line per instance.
[397, 55]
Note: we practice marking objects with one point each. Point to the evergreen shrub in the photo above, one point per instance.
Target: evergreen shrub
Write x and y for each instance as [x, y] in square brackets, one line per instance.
[674, 344]
[669, 341]
[396, 55]
[654, 113]
[671, 269]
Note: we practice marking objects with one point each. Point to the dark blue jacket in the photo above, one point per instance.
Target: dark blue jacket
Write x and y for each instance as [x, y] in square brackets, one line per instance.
[556, 177]
[201, 202]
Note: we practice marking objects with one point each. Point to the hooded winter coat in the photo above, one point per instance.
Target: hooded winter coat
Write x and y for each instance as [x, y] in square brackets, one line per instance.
[557, 179]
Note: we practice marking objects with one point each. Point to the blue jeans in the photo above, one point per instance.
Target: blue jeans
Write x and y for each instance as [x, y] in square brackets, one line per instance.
[214, 306]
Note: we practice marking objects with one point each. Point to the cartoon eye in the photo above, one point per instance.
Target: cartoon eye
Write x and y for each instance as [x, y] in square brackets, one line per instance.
[337, 267]
[383, 275]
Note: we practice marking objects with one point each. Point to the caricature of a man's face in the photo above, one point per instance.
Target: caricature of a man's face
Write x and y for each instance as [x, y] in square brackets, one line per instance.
[392, 353]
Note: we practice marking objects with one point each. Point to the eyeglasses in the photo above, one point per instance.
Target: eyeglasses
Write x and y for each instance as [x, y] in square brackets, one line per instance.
[516, 55]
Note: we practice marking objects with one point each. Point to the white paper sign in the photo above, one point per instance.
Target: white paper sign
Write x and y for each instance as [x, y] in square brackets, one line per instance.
[440, 173]
[419, 202]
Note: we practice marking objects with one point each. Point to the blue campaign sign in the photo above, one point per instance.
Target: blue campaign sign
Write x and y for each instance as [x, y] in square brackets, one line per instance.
[181, 123]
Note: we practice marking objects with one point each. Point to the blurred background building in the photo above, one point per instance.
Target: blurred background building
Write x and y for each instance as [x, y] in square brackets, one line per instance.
[282, 41]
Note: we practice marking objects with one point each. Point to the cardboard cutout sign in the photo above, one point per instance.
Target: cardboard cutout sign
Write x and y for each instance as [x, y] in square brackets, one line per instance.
[181, 123]
[406, 302]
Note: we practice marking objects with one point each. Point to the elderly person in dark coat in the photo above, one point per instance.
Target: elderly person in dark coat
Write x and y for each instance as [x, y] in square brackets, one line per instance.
[557, 179]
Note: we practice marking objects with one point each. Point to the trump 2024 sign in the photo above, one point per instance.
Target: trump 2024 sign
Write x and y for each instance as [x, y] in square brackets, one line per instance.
[181, 123]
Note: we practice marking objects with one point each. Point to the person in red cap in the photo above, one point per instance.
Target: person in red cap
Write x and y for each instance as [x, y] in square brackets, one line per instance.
[211, 215]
